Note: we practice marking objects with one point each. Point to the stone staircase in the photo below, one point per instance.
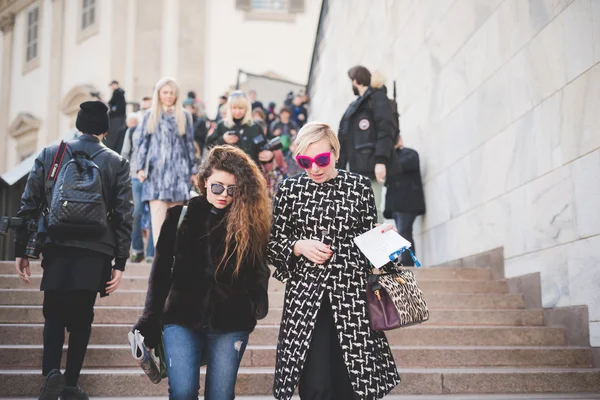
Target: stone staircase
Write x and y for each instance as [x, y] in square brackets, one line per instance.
[480, 339]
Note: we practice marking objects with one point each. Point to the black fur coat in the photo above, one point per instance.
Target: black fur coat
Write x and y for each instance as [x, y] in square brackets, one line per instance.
[193, 295]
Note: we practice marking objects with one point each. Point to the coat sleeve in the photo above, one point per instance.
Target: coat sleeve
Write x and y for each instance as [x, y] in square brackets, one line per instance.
[280, 251]
[383, 116]
[122, 216]
[114, 99]
[126, 149]
[31, 200]
[189, 141]
[260, 291]
[144, 144]
[368, 211]
[159, 282]
[343, 139]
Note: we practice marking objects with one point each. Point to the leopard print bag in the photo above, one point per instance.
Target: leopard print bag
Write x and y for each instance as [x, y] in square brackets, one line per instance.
[395, 300]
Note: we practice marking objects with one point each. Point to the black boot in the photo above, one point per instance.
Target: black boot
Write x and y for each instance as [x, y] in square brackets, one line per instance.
[53, 385]
[73, 393]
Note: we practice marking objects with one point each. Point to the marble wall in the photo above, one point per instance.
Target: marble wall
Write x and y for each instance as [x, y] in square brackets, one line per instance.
[501, 99]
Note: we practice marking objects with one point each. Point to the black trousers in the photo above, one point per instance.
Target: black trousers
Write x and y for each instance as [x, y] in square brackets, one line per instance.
[404, 224]
[325, 375]
[74, 311]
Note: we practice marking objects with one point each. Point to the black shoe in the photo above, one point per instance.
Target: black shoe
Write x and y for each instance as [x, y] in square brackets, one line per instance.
[53, 385]
[74, 393]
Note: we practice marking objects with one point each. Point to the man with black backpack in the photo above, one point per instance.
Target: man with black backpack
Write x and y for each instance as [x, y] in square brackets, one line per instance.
[368, 131]
[79, 193]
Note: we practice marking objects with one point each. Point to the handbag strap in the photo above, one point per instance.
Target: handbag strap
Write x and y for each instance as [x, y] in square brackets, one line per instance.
[397, 254]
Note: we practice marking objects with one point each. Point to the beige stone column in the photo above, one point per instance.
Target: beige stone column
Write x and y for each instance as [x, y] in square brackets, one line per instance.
[118, 56]
[192, 46]
[56, 72]
[7, 23]
[130, 44]
[170, 38]
[147, 49]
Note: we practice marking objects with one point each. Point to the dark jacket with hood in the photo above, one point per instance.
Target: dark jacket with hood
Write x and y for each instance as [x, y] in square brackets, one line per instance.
[116, 185]
[117, 104]
[193, 295]
[367, 135]
[404, 186]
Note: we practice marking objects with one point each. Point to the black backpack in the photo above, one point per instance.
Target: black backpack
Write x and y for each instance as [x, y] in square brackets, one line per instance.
[77, 206]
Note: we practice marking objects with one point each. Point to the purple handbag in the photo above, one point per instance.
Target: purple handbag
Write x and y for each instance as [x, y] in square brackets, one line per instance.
[382, 312]
[395, 300]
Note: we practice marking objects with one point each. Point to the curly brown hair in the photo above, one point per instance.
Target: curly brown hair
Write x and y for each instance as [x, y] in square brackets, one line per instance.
[249, 219]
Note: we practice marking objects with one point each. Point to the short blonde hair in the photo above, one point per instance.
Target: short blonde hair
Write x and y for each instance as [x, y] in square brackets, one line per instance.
[238, 99]
[314, 132]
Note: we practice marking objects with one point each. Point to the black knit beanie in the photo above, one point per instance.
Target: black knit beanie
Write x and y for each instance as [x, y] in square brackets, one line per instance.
[92, 118]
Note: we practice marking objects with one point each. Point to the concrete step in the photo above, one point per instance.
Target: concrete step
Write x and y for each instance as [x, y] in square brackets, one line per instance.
[143, 269]
[137, 298]
[99, 356]
[124, 315]
[12, 281]
[518, 396]
[420, 335]
[259, 381]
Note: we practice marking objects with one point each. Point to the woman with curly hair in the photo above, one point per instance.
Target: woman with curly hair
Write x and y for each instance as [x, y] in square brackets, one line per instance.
[217, 289]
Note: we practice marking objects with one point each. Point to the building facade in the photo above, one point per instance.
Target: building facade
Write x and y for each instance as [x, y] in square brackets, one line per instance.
[55, 53]
[501, 99]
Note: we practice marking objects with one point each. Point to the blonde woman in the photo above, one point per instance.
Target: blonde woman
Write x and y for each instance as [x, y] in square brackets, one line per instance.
[238, 129]
[326, 345]
[166, 155]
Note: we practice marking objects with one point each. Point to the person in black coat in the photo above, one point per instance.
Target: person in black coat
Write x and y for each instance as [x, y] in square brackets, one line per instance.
[217, 288]
[76, 266]
[367, 133]
[404, 200]
[117, 103]
[238, 129]
[117, 110]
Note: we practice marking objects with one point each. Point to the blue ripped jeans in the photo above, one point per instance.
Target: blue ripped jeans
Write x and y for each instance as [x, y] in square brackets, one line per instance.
[185, 347]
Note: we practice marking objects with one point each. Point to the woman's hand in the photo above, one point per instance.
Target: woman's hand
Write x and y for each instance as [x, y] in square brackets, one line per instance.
[386, 227]
[23, 269]
[141, 175]
[113, 284]
[231, 138]
[314, 250]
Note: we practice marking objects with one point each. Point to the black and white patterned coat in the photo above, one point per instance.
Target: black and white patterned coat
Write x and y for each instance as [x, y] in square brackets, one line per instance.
[333, 212]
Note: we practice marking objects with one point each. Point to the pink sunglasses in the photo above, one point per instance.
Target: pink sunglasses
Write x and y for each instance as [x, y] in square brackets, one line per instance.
[322, 160]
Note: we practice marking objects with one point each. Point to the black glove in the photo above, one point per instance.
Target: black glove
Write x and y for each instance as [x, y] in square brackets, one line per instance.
[151, 330]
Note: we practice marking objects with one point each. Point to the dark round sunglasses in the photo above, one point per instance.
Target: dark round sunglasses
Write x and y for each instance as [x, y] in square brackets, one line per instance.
[217, 188]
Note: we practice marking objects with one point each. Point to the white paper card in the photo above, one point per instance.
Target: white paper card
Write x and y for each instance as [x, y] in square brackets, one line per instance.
[378, 246]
